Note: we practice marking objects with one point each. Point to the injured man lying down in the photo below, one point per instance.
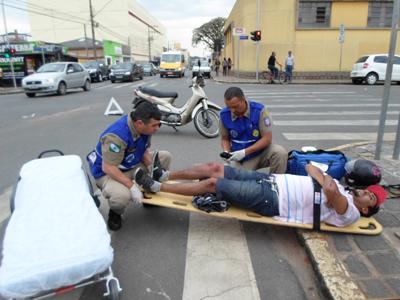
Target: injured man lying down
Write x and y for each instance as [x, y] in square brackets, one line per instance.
[283, 196]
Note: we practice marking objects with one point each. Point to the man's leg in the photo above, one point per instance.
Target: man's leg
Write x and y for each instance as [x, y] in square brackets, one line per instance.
[190, 188]
[274, 157]
[199, 172]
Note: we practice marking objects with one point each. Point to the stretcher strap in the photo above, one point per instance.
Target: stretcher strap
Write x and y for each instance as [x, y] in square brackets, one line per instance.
[317, 205]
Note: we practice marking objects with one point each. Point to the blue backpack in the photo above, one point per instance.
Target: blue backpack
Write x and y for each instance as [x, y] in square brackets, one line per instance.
[335, 160]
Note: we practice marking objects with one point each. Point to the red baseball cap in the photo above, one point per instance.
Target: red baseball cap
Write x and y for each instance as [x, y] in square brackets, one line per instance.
[379, 192]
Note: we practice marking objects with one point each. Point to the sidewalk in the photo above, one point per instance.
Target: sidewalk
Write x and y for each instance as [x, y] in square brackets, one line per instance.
[355, 266]
[238, 80]
[10, 90]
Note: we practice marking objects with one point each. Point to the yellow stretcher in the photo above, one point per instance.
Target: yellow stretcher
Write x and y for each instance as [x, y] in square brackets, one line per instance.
[367, 226]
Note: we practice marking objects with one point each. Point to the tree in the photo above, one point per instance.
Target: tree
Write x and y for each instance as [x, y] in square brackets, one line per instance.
[210, 34]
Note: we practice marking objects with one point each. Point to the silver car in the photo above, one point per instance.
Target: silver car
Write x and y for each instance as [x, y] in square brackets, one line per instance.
[56, 78]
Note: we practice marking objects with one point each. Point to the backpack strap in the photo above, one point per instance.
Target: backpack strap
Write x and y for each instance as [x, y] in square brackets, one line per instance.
[316, 205]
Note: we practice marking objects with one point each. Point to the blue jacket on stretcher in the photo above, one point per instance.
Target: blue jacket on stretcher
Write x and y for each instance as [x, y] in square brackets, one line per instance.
[133, 152]
[243, 131]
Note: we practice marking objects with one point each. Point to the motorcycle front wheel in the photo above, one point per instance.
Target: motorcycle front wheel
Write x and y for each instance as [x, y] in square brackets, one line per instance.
[207, 122]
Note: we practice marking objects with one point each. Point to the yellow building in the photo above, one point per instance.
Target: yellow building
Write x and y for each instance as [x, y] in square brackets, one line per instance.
[310, 29]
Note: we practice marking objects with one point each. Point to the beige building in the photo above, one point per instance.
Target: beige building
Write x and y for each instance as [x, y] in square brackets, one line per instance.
[121, 21]
[310, 28]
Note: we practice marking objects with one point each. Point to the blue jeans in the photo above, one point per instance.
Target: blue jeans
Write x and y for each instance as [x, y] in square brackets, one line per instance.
[250, 190]
[288, 73]
[274, 70]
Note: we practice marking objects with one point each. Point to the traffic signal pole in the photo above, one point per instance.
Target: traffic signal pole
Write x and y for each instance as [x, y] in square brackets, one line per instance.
[8, 45]
[258, 42]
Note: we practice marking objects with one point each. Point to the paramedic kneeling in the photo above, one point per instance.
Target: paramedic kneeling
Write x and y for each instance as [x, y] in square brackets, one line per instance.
[122, 148]
[246, 134]
[284, 196]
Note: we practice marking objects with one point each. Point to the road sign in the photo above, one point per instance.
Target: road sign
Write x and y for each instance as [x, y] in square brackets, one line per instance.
[341, 33]
[244, 37]
[239, 31]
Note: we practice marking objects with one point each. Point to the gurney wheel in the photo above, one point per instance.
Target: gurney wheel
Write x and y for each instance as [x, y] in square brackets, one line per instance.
[113, 288]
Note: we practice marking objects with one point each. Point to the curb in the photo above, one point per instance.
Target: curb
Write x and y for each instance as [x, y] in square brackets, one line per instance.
[10, 92]
[331, 273]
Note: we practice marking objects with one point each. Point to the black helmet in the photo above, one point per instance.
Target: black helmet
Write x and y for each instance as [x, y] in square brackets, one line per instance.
[209, 203]
[362, 172]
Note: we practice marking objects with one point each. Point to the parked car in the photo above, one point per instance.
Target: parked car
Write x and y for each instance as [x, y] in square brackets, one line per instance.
[126, 72]
[98, 71]
[56, 78]
[372, 68]
[204, 68]
[149, 69]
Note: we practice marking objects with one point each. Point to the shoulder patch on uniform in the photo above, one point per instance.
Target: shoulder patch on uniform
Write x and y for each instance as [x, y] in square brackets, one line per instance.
[115, 148]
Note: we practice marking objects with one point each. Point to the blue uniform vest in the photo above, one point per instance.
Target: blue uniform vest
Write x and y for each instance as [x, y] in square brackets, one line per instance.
[243, 131]
[133, 153]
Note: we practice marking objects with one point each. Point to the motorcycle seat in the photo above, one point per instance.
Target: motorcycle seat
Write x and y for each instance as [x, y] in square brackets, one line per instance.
[158, 94]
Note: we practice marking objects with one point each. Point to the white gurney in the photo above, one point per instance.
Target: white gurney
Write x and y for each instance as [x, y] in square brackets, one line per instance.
[55, 236]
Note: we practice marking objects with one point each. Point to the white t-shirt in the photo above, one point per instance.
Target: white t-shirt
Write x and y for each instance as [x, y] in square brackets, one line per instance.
[296, 194]
[290, 60]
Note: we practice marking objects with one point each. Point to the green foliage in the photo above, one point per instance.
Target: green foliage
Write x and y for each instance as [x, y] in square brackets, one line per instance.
[210, 34]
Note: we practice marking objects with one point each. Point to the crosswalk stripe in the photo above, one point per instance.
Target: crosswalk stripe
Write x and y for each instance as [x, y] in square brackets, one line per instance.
[340, 136]
[328, 105]
[298, 93]
[217, 247]
[333, 123]
[331, 113]
[273, 99]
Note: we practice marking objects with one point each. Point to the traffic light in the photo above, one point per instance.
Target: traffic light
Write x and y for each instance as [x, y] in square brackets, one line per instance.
[12, 52]
[256, 35]
[7, 52]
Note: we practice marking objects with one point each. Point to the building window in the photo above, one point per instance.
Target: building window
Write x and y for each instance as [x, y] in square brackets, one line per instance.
[314, 14]
[380, 13]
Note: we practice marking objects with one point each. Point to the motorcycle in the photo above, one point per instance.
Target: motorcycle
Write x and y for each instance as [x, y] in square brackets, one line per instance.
[204, 113]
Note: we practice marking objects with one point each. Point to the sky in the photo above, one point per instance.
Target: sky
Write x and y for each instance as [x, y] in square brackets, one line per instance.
[179, 17]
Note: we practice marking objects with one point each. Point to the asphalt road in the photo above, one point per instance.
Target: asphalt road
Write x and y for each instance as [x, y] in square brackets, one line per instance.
[153, 250]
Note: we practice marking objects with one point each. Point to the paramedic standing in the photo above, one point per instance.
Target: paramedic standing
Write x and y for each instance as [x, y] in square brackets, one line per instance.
[246, 133]
[122, 148]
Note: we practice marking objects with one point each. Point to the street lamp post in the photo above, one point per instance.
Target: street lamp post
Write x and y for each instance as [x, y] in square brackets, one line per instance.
[8, 45]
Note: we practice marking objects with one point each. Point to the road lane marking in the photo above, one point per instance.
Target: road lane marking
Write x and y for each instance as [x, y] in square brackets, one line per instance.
[343, 136]
[334, 123]
[218, 263]
[121, 85]
[102, 87]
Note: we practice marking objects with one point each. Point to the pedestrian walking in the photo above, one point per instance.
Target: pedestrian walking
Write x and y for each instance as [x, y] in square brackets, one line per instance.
[229, 65]
[289, 65]
[224, 67]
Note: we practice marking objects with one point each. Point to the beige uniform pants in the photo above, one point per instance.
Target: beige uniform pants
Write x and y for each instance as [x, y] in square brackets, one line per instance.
[274, 157]
[117, 194]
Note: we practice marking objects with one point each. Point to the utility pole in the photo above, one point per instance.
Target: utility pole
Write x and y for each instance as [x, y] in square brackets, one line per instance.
[86, 42]
[8, 45]
[93, 35]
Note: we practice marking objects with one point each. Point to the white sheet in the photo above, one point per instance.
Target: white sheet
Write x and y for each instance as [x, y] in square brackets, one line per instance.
[56, 235]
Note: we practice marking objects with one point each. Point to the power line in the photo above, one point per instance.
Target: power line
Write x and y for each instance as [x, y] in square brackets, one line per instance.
[43, 14]
[102, 8]
[52, 11]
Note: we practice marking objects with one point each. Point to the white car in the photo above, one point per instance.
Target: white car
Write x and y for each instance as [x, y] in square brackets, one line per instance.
[56, 78]
[205, 69]
[372, 68]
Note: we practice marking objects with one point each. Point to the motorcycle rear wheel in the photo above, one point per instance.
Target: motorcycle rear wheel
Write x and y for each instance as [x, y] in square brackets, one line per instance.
[207, 122]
